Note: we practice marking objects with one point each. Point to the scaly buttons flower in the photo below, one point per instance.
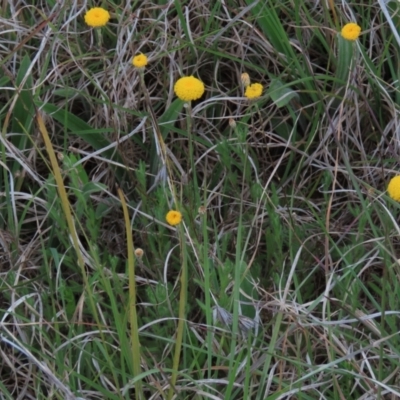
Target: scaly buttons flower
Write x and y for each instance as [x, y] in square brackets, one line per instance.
[245, 78]
[96, 17]
[394, 188]
[139, 61]
[351, 31]
[189, 88]
[253, 91]
[173, 217]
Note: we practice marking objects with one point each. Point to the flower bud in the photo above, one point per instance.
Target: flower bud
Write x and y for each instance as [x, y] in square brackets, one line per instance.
[202, 210]
[139, 253]
[245, 78]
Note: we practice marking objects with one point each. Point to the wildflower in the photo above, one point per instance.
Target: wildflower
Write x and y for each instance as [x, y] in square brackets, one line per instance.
[96, 17]
[139, 253]
[253, 91]
[351, 31]
[245, 78]
[139, 61]
[173, 217]
[202, 210]
[394, 188]
[189, 88]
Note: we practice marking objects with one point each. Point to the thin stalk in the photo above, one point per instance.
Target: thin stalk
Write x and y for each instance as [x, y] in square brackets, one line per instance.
[182, 313]
[184, 271]
[132, 299]
[207, 294]
[64, 200]
[69, 218]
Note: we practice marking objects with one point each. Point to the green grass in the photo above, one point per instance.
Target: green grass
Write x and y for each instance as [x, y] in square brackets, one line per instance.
[282, 281]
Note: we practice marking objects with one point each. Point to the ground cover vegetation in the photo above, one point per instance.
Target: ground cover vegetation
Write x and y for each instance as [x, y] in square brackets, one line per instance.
[195, 200]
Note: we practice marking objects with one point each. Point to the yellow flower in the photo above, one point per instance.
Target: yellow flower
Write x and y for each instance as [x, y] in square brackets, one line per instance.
[96, 17]
[189, 88]
[139, 61]
[351, 31]
[253, 91]
[394, 188]
[173, 217]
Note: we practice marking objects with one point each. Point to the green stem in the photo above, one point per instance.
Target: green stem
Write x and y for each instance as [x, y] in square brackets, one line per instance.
[132, 299]
[184, 277]
[182, 313]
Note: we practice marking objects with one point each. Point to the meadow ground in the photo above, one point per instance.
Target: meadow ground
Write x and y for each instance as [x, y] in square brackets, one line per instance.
[281, 280]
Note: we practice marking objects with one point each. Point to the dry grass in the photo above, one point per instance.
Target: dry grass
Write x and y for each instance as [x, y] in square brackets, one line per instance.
[289, 240]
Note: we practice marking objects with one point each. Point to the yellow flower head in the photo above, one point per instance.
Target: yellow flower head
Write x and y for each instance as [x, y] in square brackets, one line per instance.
[173, 217]
[189, 88]
[394, 188]
[96, 17]
[351, 31]
[139, 61]
[253, 91]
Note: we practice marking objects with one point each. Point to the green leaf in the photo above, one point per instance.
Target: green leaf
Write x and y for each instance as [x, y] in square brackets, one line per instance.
[23, 109]
[167, 121]
[93, 187]
[345, 56]
[280, 94]
[4, 80]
